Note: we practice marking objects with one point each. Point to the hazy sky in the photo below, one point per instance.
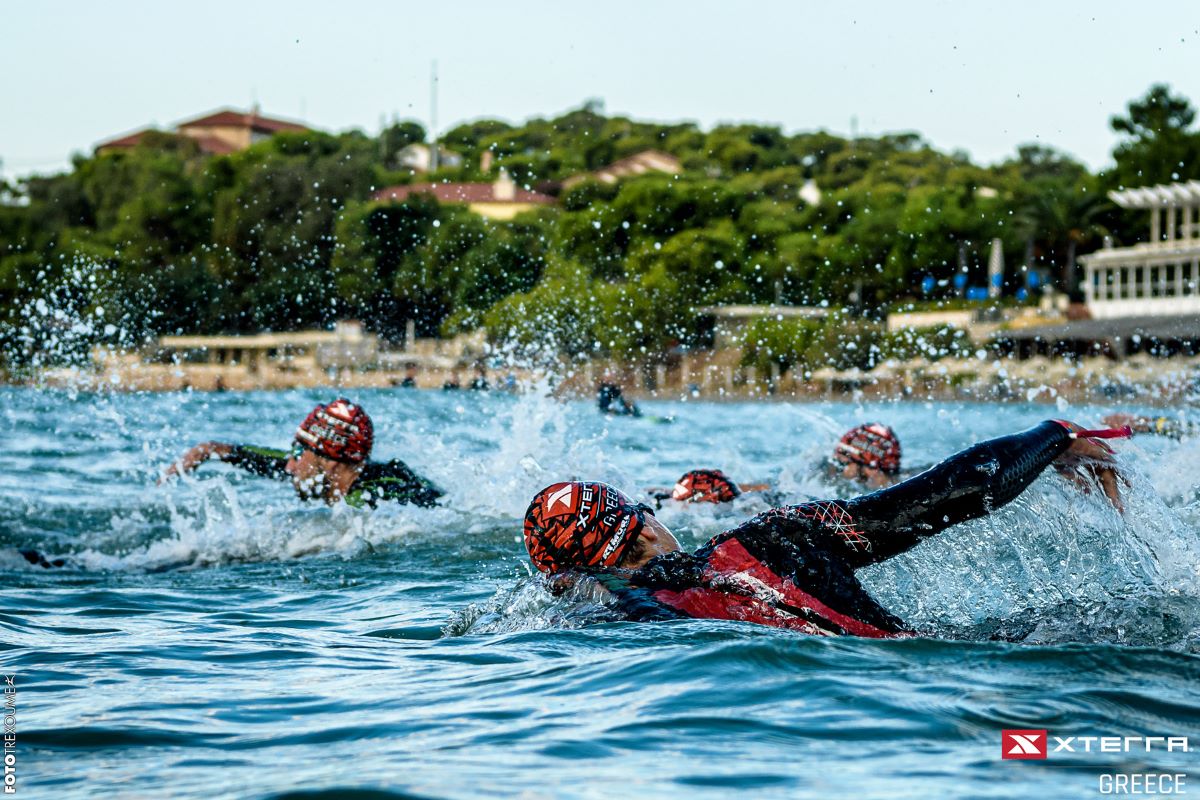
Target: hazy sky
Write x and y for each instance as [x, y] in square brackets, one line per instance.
[982, 77]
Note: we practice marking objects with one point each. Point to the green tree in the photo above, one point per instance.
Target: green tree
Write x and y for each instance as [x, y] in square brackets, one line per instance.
[395, 138]
[1157, 145]
[273, 226]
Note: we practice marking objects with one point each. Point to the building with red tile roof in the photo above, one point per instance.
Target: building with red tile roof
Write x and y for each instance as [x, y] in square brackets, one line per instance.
[500, 200]
[219, 133]
[636, 164]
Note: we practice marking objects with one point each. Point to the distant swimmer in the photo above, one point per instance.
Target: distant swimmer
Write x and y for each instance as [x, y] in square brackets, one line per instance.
[1160, 426]
[327, 461]
[793, 566]
[39, 560]
[610, 399]
[410, 377]
[868, 454]
[705, 486]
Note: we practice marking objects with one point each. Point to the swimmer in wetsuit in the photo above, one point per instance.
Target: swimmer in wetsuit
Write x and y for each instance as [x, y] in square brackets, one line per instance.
[327, 461]
[705, 486]
[610, 399]
[792, 566]
[869, 455]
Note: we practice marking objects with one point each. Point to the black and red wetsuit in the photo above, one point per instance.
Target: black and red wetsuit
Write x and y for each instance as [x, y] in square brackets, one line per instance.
[793, 566]
[393, 480]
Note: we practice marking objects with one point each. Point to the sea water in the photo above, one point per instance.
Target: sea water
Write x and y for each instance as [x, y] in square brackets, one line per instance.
[216, 637]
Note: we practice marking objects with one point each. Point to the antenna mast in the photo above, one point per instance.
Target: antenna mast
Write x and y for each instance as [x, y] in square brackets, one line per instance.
[433, 137]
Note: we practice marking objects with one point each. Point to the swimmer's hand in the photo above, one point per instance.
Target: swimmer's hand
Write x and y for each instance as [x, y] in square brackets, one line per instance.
[1091, 458]
[579, 585]
[194, 458]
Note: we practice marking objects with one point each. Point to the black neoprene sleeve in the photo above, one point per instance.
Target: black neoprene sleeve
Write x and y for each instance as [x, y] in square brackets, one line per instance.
[258, 460]
[968, 484]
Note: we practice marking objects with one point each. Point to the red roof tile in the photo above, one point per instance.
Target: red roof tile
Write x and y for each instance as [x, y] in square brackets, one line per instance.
[128, 140]
[460, 193]
[236, 119]
[208, 144]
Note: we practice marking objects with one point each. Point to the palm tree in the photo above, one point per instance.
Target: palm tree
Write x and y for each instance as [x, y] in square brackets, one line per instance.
[1057, 223]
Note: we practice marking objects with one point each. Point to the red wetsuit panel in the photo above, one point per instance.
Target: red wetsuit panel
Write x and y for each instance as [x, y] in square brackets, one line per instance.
[731, 562]
[705, 603]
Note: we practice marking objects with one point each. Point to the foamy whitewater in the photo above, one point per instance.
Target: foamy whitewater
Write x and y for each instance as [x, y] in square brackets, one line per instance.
[216, 637]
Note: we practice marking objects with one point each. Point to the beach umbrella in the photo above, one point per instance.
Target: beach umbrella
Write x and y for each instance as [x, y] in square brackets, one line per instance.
[883, 371]
[1059, 369]
[918, 365]
[1029, 369]
[824, 374]
[996, 269]
[960, 366]
[852, 374]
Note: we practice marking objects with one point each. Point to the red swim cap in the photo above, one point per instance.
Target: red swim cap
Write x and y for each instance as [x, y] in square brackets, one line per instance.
[705, 486]
[872, 445]
[341, 431]
[581, 525]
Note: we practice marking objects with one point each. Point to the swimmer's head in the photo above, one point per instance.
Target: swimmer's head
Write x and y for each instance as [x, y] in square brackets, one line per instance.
[873, 445]
[330, 447]
[339, 431]
[579, 524]
[705, 486]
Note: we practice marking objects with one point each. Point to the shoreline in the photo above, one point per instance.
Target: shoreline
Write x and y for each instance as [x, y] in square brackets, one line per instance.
[1016, 382]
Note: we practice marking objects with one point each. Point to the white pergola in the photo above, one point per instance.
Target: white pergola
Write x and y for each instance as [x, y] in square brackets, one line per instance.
[1156, 278]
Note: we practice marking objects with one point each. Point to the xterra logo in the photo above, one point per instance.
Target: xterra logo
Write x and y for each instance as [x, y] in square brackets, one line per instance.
[1030, 744]
[1023, 744]
[561, 502]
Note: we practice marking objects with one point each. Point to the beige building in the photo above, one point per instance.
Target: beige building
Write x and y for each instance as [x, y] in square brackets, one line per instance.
[342, 348]
[419, 158]
[222, 132]
[729, 324]
[636, 164]
[500, 200]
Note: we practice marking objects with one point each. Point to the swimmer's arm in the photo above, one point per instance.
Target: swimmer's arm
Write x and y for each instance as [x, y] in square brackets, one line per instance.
[194, 457]
[968, 485]
[255, 460]
[263, 461]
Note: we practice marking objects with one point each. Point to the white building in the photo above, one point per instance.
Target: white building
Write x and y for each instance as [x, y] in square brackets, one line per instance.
[419, 158]
[1160, 277]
